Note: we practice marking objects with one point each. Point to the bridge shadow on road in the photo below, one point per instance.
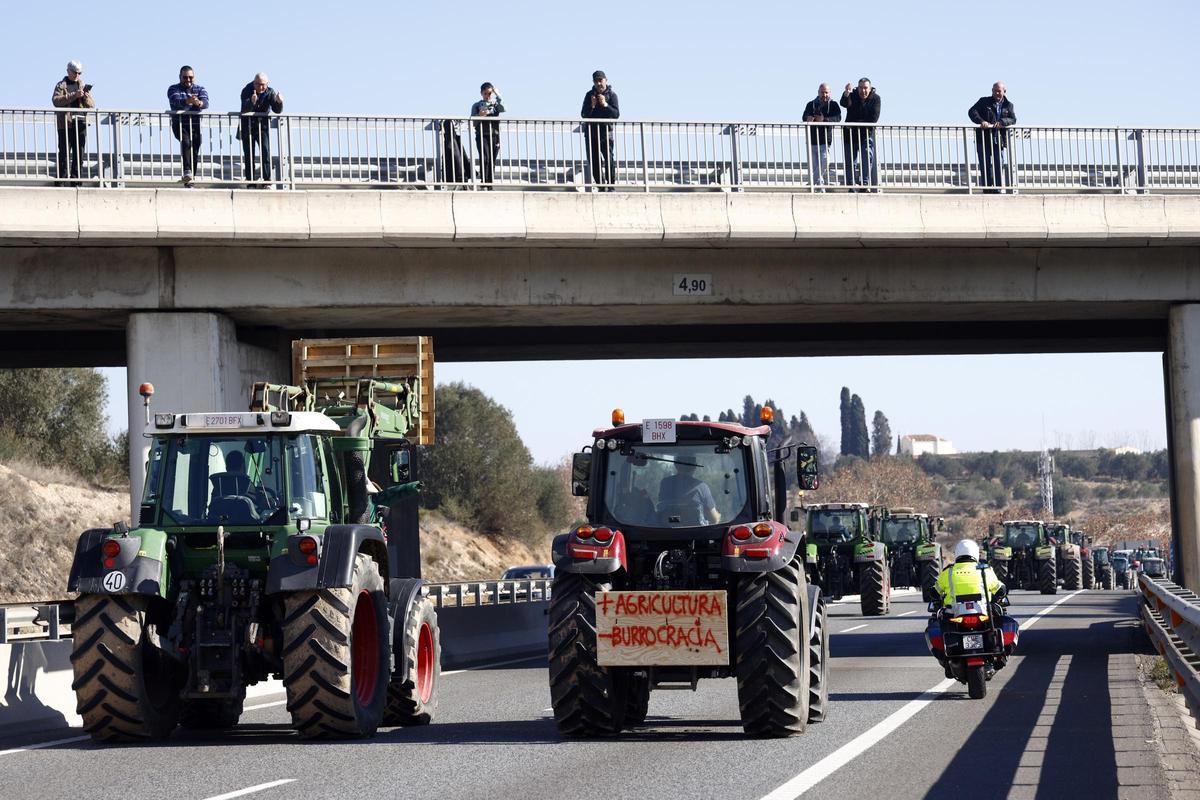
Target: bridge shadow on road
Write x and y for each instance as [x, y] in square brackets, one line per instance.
[1049, 730]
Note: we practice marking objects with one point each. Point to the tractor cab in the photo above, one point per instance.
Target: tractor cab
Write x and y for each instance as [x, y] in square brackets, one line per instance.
[837, 523]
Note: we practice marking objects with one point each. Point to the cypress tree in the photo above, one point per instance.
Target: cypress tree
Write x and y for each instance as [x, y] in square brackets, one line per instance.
[861, 443]
[847, 448]
[881, 435]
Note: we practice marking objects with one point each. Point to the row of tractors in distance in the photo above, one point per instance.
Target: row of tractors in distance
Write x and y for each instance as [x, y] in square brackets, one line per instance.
[1032, 554]
[276, 542]
[869, 550]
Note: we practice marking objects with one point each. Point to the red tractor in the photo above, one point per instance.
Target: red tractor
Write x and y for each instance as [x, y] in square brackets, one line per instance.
[685, 570]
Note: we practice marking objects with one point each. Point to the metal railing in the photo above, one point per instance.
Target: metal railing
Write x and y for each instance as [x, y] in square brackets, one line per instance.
[1171, 616]
[51, 620]
[115, 148]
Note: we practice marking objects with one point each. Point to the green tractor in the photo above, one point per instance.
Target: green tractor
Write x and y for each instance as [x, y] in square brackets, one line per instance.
[1068, 555]
[914, 558]
[842, 556]
[1102, 567]
[1022, 556]
[279, 542]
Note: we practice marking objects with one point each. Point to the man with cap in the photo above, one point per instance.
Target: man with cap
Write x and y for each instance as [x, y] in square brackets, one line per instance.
[600, 103]
[71, 92]
[487, 130]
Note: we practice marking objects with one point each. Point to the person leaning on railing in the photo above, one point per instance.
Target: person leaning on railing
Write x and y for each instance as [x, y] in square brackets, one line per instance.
[600, 103]
[258, 101]
[71, 92]
[487, 130]
[187, 101]
[821, 109]
[862, 161]
[993, 115]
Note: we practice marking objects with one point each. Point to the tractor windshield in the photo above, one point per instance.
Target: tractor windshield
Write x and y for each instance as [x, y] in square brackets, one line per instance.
[681, 485]
[897, 531]
[1101, 555]
[234, 480]
[1021, 535]
[833, 525]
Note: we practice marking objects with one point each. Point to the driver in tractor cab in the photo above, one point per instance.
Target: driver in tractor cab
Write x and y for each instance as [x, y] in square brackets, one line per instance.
[232, 485]
[967, 579]
[683, 494]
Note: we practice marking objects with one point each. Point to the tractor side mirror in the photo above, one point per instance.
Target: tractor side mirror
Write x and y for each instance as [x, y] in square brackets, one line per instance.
[401, 465]
[806, 467]
[581, 474]
[795, 515]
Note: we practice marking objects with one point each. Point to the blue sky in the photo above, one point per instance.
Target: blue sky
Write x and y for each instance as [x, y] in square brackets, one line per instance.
[1067, 63]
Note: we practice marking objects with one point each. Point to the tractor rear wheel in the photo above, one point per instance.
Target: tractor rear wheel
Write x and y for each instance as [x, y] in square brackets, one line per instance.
[126, 688]
[1001, 570]
[211, 715]
[772, 666]
[1072, 575]
[1047, 578]
[637, 697]
[1106, 578]
[929, 576]
[336, 657]
[588, 699]
[874, 589]
[1089, 573]
[818, 665]
[413, 698]
[976, 683]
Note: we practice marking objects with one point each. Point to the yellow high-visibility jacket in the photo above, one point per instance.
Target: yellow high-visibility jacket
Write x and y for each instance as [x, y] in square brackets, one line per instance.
[966, 577]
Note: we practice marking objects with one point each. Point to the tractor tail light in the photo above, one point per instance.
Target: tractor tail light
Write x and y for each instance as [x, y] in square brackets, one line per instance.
[584, 532]
[111, 548]
[603, 535]
[762, 530]
[741, 533]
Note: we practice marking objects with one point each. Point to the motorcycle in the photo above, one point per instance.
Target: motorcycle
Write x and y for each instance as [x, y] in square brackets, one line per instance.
[972, 639]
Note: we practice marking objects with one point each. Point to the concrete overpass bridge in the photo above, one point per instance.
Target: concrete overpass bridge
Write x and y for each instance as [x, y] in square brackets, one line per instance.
[201, 290]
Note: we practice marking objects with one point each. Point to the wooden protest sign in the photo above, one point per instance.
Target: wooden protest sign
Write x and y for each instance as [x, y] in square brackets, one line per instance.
[639, 629]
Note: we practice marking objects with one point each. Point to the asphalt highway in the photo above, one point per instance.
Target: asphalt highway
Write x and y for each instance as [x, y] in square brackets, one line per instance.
[896, 729]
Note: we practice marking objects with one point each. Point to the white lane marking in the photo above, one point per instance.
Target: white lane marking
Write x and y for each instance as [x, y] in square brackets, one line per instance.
[493, 664]
[1033, 620]
[251, 789]
[906, 613]
[265, 705]
[865, 741]
[856, 746]
[856, 627]
[40, 745]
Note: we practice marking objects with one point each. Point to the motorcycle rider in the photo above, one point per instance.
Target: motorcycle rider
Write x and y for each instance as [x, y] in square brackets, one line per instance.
[966, 576]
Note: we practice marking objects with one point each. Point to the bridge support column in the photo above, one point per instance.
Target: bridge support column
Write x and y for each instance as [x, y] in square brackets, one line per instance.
[1183, 366]
[196, 363]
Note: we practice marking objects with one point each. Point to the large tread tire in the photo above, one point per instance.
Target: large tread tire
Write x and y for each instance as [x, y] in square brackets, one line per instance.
[818, 665]
[976, 683]
[1106, 579]
[772, 664]
[1047, 579]
[211, 715]
[637, 698]
[335, 656]
[1072, 575]
[126, 688]
[1089, 573]
[874, 589]
[588, 699]
[1001, 570]
[929, 576]
[413, 698]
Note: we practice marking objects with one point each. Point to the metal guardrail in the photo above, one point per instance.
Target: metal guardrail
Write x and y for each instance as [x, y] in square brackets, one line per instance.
[1171, 616]
[116, 148]
[51, 620]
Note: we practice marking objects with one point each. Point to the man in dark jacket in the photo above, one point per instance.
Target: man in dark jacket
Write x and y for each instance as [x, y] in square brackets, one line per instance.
[187, 100]
[258, 101]
[487, 131]
[862, 163]
[993, 115]
[600, 103]
[821, 109]
[71, 92]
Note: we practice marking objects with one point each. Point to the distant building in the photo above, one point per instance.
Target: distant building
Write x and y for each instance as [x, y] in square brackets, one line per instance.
[918, 444]
[1122, 450]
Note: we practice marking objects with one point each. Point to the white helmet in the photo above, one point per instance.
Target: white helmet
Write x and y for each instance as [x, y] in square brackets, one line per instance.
[966, 548]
